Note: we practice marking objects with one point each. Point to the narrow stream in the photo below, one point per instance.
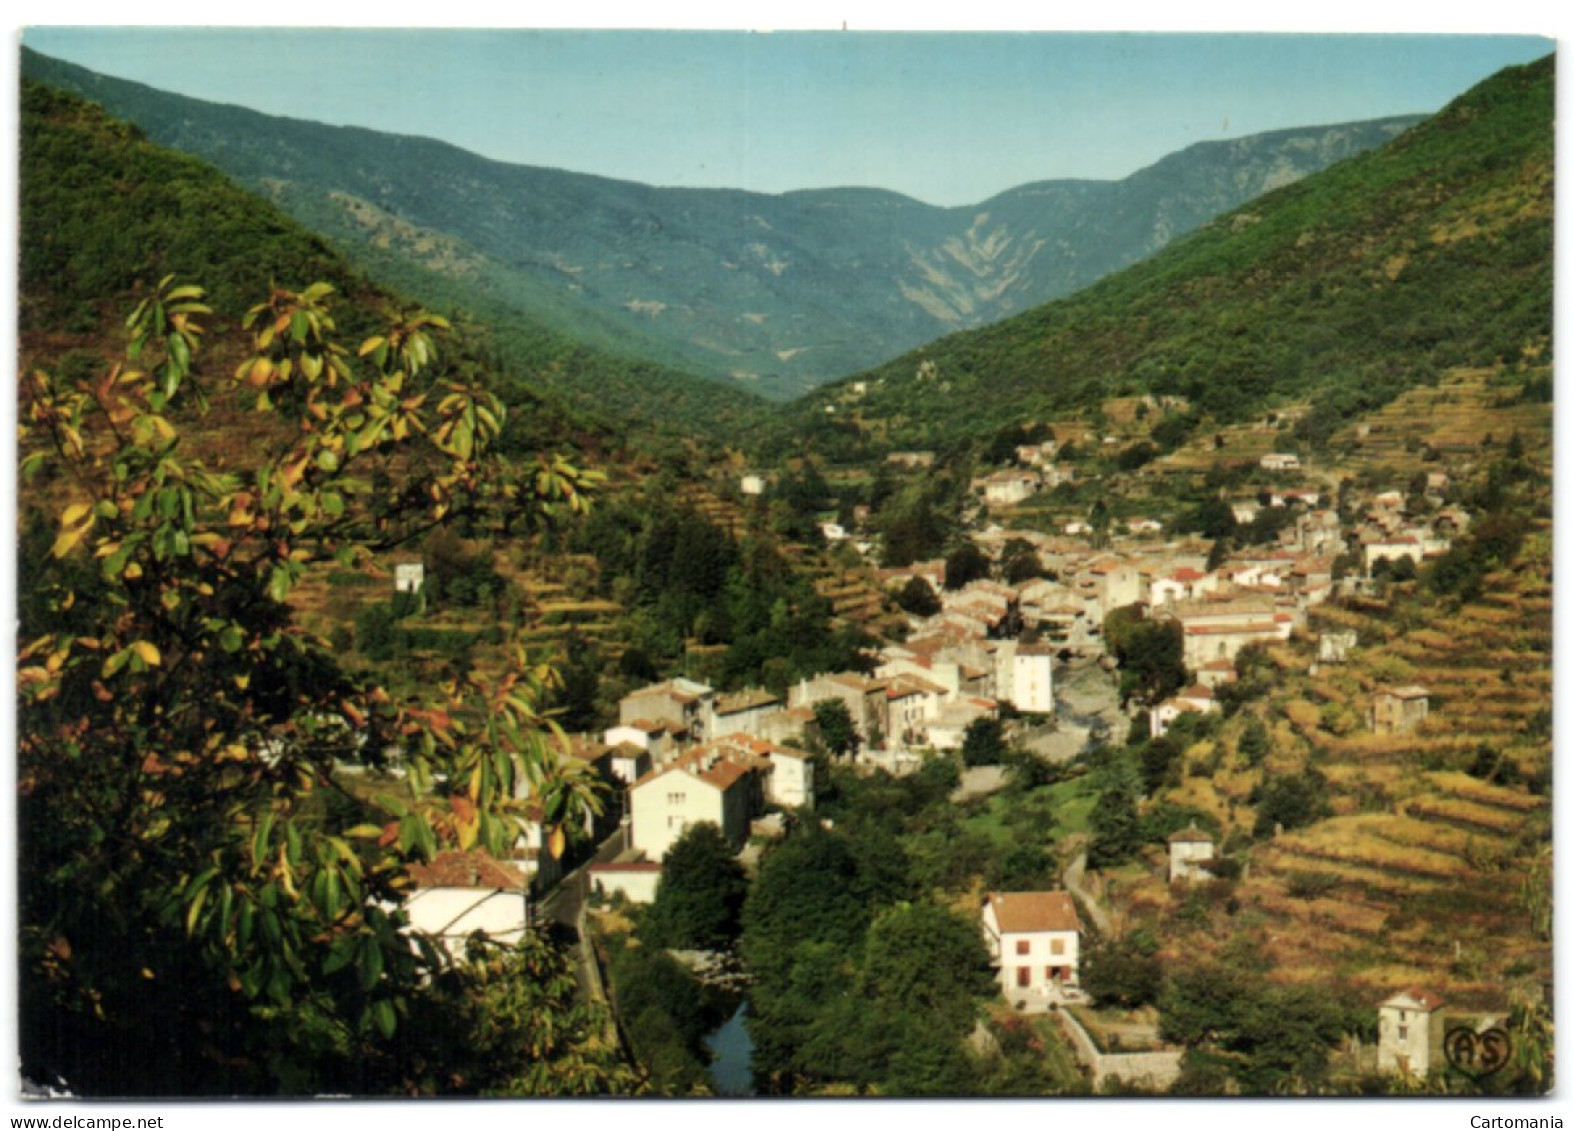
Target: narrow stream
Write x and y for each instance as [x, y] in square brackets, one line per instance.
[730, 1072]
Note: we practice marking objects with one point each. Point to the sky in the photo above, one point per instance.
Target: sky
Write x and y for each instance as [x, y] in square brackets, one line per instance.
[949, 118]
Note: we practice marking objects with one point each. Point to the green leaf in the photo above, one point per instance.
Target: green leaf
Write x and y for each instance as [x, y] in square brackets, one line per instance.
[340, 955]
[383, 1015]
[194, 909]
[279, 583]
[371, 964]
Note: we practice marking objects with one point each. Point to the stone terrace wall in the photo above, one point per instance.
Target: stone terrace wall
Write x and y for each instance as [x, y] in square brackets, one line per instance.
[1156, 1070]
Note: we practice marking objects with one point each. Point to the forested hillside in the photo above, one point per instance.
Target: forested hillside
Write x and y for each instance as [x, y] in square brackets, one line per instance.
[1353, 284]
[105, 209]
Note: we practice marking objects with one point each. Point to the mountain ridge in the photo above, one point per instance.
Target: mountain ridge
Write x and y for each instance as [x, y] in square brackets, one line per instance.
[774, 292]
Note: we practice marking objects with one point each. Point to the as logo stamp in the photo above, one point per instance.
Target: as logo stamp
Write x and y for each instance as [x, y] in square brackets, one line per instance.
[1477, 1055]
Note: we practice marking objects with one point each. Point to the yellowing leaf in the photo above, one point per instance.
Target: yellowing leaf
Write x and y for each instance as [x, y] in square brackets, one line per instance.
[147, 652]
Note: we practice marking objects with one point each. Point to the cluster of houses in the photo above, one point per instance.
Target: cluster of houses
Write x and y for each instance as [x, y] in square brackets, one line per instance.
[683, 753]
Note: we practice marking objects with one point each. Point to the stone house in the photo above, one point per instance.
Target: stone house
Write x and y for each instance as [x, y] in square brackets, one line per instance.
[1034, 939]
[1398, 710]
[1335, 647]
[741, 712]
[864, 698]
[682, 703]
[1409, 1027]
[1190, 848]
[1007, 488]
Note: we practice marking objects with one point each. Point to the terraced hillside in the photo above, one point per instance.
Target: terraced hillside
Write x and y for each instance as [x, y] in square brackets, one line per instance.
[1432, 866]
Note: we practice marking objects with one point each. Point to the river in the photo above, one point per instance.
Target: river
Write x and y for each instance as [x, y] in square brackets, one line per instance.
[730, 1072]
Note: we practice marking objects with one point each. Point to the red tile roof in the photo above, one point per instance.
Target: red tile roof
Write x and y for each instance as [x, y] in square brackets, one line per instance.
[468, 870]
[1019, 911]
[1425, 998]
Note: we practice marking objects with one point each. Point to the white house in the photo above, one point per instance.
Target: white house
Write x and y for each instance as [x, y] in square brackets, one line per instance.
[706, 784]
[1392, 549]
[790, 783]
[1280, 461]
[1405, 1024]
[1189, 848]
[1007, 488]
[409, 577]
[636, 881]
[1033, 937]
[461, 893]
[752, 485]
[1198, 697]
[1033, 678]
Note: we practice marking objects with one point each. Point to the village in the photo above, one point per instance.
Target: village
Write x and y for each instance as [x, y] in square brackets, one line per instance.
[684, 754]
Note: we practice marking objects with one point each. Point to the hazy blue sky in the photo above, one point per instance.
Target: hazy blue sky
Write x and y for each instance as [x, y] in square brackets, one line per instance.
[948, 118]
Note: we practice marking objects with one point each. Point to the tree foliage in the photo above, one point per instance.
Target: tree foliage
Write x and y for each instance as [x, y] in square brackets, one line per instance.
[834, 722]
[203, 907]
[699, 898]
[918, 597]
[964, 564]
[1151, 654]
[1125, 973]
[984, 743]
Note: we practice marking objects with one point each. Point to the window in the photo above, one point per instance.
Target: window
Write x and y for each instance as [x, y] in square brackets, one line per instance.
[1023, 974]
[1057, 946]
[1404, 1032]
[1022, 946]
[675, 798]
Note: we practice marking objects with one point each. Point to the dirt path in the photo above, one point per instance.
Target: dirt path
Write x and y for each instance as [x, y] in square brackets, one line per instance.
[1076, 883]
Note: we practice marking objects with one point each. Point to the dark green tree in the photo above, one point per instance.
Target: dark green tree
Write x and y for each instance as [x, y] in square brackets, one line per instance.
[918, 597]
[1124, 973]
[834, 723]
[1116, 829]
[1291, 801]
[1151, 654]
[699, 897]
[1019, 562]
[1253, 744]
[964, 564]
[926, 960]
[984, 743]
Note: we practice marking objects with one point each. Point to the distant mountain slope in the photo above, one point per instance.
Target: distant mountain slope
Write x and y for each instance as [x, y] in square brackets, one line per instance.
[780, 292]
[1350, 286]
[105, 211]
